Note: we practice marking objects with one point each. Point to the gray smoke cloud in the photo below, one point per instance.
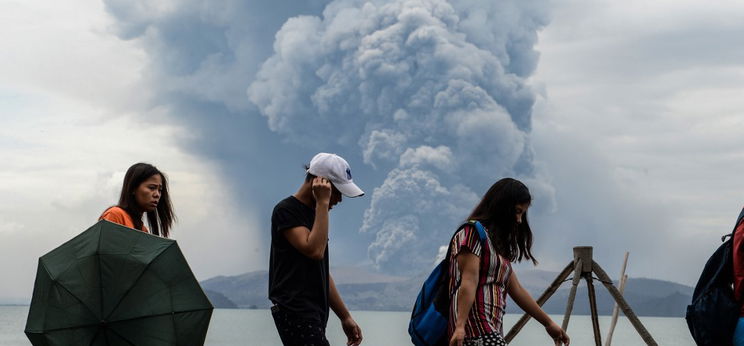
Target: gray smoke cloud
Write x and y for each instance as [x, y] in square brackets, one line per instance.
[204, 50]
[432, 92]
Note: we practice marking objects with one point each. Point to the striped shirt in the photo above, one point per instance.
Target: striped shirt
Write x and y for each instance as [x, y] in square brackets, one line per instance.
[486, 314]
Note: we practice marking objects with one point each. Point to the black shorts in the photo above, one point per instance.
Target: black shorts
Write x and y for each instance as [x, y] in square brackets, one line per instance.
[297, 330]
[486, 340]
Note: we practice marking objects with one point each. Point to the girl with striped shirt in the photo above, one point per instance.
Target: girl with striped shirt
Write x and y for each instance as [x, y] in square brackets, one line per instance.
[480, 272]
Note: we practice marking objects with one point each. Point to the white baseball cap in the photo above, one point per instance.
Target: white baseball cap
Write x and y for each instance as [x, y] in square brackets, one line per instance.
[337, 170]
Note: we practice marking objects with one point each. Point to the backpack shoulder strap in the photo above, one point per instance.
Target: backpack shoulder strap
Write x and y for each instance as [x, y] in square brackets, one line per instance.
[481, 234]
[481, 230]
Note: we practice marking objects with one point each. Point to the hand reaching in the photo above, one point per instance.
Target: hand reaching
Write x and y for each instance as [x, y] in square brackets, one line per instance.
[458, 337]
[352, 331]
[557, 334]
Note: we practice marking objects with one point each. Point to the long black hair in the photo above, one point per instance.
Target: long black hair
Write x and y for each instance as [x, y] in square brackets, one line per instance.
[497, 212]
[162, 217]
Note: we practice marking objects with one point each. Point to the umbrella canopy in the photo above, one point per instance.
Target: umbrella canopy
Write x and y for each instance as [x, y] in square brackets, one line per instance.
[112, 285]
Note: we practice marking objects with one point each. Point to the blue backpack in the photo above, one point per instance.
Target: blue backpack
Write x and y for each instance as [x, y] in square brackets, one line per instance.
[714, 312]
[428, 326]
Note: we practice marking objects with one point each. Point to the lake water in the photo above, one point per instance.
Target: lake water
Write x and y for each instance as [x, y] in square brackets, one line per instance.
[255, 327]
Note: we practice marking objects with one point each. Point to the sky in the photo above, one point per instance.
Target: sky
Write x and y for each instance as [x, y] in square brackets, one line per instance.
[623, 119]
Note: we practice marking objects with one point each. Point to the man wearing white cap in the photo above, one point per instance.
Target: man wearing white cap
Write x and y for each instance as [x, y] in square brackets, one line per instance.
[300, 285]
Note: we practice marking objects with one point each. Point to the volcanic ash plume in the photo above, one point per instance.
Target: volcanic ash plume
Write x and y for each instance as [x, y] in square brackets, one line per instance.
[432, 92]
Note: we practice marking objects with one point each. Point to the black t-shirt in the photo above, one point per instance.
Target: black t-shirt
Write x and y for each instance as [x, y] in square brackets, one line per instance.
[296, 282]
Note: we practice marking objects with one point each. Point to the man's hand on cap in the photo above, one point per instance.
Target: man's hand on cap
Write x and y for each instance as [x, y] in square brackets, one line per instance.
[322, 191]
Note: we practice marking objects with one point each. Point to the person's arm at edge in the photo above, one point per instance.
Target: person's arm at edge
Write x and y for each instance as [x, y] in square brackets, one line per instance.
[738, 264]
[350, 327]
[313, 243]
[525, 301]
[469, 265]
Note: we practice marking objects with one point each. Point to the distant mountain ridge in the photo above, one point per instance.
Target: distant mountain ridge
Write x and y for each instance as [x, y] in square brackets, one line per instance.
[362, 289]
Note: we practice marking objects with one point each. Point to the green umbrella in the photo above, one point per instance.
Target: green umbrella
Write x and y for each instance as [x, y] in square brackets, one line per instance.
[112, 285]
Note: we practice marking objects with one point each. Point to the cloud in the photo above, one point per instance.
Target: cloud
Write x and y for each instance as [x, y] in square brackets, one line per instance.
[77, 59]
[383, 144]
[201, 58]
[201, 49]
[432, 92]
[638, 129]
[410, 214]
[439, 157]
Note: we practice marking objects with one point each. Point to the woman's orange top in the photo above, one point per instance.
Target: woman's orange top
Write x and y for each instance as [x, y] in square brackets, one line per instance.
[120, 216]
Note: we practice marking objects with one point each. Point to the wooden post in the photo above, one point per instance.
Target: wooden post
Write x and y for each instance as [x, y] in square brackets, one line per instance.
[593, 309]
[582, 256]
[616, 309]
[540, 301]
[607, 282]
[585, 253]
[572, 294]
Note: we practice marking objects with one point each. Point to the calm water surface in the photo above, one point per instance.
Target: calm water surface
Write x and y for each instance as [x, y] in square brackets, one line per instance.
[255, 327]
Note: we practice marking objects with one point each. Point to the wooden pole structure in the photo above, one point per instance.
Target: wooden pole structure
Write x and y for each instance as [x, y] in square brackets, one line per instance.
[583, 267]
[616, 309]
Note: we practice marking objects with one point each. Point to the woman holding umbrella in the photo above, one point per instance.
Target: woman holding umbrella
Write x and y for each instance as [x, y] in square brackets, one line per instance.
[144, 191]
[111, 285]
